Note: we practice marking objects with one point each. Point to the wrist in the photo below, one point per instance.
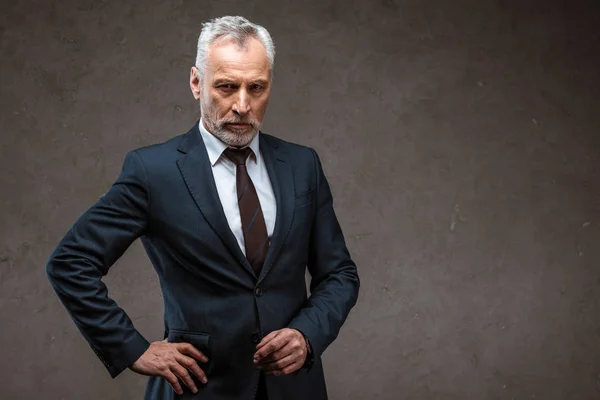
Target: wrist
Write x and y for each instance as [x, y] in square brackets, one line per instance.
[309, 353]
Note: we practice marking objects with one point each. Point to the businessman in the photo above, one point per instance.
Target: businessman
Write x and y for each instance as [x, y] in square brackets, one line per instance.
[230, 218]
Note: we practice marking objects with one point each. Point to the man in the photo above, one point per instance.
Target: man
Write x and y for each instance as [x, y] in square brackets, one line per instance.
[231, 218]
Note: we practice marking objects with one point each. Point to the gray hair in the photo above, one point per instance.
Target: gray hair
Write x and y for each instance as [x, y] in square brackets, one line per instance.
[237, 28]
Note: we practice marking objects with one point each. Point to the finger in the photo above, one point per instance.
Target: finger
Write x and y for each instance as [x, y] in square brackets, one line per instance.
[289, 342]
[268, 338]
[173, 381]
[188, 348]
[183, 374]
[279, 364]
[285, 371]
[273, 345]
[192, 366]
[285, 351]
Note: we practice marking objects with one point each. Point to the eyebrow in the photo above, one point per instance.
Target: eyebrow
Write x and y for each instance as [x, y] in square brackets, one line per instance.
[261, 81]
[221, 81]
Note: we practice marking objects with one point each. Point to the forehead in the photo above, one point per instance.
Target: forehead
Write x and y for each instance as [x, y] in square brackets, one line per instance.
[226, 59]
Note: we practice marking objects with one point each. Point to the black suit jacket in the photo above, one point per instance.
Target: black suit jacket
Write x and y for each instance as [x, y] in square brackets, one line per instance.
[166, 195]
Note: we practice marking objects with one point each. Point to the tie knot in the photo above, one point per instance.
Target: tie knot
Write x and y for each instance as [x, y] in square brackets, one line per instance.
[238, 156]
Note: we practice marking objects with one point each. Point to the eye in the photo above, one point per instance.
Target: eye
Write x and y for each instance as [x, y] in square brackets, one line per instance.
[256, 88]
[227, 87]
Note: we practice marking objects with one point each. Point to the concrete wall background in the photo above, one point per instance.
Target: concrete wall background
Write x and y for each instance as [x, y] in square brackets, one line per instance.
[462, 143]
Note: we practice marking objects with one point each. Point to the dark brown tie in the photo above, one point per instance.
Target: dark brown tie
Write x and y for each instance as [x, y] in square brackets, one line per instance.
[253, 221]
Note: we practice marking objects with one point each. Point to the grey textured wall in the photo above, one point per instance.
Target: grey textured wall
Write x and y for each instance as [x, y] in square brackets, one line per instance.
[462, 143]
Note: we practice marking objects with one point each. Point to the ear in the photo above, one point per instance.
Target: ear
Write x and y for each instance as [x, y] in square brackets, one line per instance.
[195, 84]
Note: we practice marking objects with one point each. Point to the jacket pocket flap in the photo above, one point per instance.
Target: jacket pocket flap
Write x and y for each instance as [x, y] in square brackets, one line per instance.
[196, 338]
[199, 340]
[304, 198]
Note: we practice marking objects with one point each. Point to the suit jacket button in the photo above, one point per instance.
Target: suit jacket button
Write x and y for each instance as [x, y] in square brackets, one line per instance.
[258, 292]
[255, 338]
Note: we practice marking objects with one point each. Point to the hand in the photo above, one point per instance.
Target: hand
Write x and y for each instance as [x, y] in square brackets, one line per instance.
[169, 361]
[281, 352]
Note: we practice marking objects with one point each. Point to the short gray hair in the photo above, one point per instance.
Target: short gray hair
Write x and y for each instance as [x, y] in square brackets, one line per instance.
[234, 27]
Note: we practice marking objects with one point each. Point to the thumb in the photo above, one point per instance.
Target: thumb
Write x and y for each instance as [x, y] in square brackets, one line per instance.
[268, 338]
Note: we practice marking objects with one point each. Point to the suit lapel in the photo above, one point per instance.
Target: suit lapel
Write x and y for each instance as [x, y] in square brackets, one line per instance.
[282, 180]
[197, 174]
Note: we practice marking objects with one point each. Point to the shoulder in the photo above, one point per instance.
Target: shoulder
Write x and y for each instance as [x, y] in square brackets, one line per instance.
[295, 151]
[158, 151]
[157, 159]
[162, 155]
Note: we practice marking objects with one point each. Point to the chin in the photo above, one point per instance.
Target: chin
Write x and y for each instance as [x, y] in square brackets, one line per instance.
[238, 139]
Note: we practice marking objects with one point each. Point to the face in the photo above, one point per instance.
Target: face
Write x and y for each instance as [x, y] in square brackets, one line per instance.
[234, 91]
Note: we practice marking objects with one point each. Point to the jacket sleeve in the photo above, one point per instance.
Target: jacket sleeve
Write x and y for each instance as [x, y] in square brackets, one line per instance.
[94, 243]
[334, 278]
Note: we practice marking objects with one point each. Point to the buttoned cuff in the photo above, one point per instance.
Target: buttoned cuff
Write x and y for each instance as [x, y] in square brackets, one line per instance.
[310, 357]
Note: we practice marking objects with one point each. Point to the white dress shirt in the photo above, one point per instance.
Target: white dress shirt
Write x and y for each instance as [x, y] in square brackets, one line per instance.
[224, 171]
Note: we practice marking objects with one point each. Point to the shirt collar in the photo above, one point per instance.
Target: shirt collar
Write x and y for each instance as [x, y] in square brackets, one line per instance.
[215, 147]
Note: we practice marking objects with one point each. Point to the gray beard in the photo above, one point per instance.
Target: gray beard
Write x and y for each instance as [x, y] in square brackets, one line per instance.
[231, 138]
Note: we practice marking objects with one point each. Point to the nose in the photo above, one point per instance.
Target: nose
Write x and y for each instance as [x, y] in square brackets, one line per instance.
[241, 106]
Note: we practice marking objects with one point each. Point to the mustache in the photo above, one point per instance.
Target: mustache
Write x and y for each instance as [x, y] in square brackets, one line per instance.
[248, 121]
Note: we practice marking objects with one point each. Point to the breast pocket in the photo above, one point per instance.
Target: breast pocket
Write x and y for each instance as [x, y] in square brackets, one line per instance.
[201, 341]
[304, 198]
